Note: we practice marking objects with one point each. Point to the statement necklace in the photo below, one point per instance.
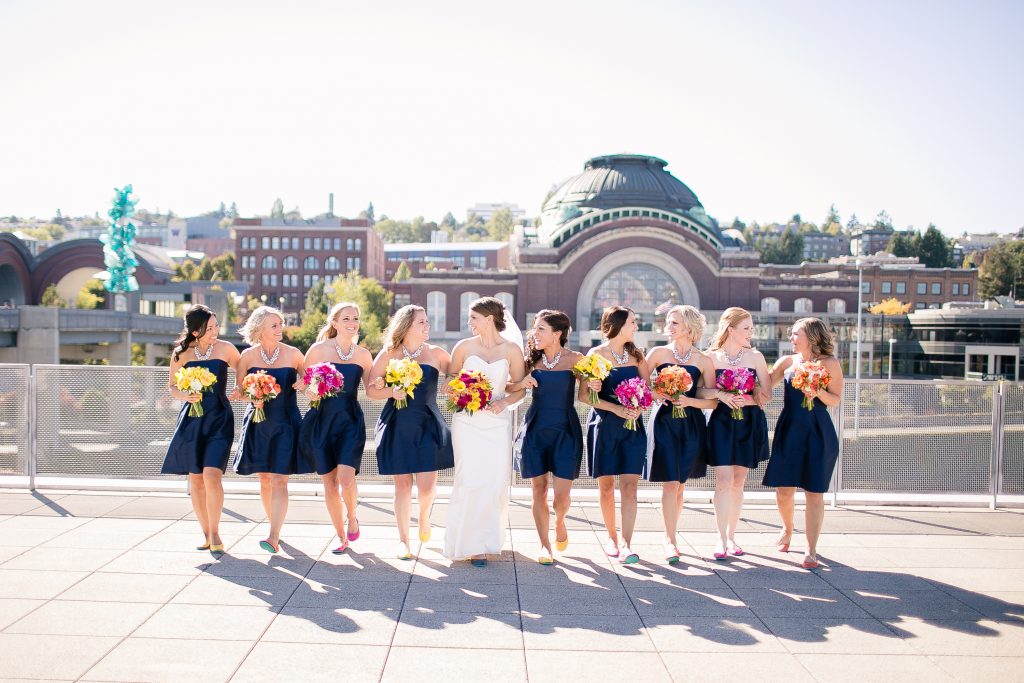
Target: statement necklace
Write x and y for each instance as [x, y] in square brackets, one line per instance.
[202, 356]
[681, 359]
[345, 356]
[730, 360]
[415, 354]
[273, 357]
[552, 364]
[619, 361]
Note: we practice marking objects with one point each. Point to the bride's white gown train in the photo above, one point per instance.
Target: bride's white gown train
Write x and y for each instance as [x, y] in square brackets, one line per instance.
[477, 508]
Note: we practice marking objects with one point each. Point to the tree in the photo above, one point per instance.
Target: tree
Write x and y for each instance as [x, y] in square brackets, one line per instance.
[500, 225]
[395, 231]
[449, 222]
[205, 270]
[935, 250]
[787, 249]
[853, 222]
[222, 211]
[277, 211]
[905, 243]
[92, 295]
[890, 307]
[883, 221]
[233, 211]
[832, 224]
[402, 273]
[185, 271]
[224, 266]
[1002, 270]
[369, 213]
[52, 298]
[374, 306]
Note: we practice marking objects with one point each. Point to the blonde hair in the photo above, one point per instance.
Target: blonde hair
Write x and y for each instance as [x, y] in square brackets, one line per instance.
[328, 331]
[693, 321]
[254, 325]
[731, 317]
[399, 326]
[821, 339]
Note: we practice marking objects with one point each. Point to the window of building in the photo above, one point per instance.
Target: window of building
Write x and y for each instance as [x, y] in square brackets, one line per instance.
[290, 263]
[269, 262]
[770, 304]
[640, 286]
[266, 243]
[934, 306]
[464, 301]
[478, 262]
[866, 287]
[402, 300]
[295, 244]
[353, 264]
[918, 306]
[348, 244]
[311, 263]
[332, 264]
[507, 300]
[265, 279]
[886, 287]
[922, 287]
[437, 311]
[956, 288]
[316, 244]
[936, 288]
[966, 289]
[803, 305]
[307, 243]
[275, 243]
[307, 281]
[337, 244]
[273, 279]
[901, 287]
[836, 306]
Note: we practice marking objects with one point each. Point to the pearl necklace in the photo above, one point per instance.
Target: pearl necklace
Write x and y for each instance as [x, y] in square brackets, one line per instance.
[730, 360]
[552, 364]
[681, 359]
[202, 356]
[345, 357]
[273, 357]
[415, 354]
[619, 361]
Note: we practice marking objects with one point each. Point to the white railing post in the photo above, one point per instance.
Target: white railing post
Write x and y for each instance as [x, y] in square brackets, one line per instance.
[996, 468]
[31, 461]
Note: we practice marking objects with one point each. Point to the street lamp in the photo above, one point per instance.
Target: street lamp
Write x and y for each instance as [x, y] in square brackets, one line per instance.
[856, 385]
[892, 340]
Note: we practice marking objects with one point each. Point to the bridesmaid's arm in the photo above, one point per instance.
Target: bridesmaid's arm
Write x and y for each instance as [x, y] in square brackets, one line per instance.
[779, 369]
[375, 388]
[763, 391]
[456, 360]
[707, 381]
[833, 393]
[244, 362]
[516, 373]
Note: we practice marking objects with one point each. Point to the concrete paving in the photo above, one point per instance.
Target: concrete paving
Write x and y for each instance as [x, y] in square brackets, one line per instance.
[108, 587]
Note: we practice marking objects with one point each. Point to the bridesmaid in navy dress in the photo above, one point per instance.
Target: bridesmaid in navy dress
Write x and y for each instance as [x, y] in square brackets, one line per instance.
[550, 439]
[735, 446]
[677, 447]
[413, 443]
[333, 434]
[201, 446]
[270, 448]
[806, 447]
[613, 450]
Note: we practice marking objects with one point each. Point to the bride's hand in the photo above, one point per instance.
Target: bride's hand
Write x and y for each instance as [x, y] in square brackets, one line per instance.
[497, 408]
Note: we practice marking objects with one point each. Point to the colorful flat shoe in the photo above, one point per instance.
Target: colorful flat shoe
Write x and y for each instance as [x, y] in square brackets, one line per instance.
[403, 552]
[629, 557]
[425, 536]
[810, 564]
[560, 546]
[269, 547]
[479, 562]
[340, 550]
[353, 536]
[544, 558]
[205, 546]
[216, 549]
[736, 550]
[782, 547]
[611, 550]
[720, 557]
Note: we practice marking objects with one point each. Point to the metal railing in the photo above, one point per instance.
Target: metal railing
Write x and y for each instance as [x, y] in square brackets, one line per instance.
[906, 438]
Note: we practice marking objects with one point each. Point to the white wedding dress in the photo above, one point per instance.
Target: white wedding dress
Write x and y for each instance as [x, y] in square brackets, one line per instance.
[477, 508]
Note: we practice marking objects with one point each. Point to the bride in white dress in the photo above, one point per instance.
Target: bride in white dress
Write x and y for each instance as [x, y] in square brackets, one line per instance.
[483, 442]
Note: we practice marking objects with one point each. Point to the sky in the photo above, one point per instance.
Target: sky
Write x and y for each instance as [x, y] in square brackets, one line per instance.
[763, 109]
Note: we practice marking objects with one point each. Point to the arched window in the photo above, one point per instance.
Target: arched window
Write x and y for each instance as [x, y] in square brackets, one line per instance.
[358, 244]
[837, 306]
[770, 304]
[506, 299]
[269, 262]
[803, 305]
[437, 311]
[348, 244]
[311, 263]
[290, 263]
[332, 264]
[640, 286]
[464, 301]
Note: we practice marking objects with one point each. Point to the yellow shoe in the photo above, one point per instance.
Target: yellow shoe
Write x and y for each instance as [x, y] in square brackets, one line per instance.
[205, 546]
[544, 557]
[216, 549]
[560, 546]
[425, 536]
[403, 552]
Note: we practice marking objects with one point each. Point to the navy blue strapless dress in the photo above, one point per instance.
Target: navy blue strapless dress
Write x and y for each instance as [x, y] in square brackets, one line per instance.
[677, 446]
[611, 448]
[334, 433]
[272, 445]
[742, 443]
[415, 438]
[550, 439]
[805, 447]
[205, 441]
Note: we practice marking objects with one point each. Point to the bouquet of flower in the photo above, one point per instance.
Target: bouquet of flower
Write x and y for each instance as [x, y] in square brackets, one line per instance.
[325, 380]
[405, 373]
[811, 377]
[634, 393]
[470, 391]
[194, 379]
[594, 366]
[674, 381]
[736, 381]
[259, 387]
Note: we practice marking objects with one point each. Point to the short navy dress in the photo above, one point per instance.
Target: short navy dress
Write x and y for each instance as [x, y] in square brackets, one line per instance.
[677, 446]
[742, 443]
[611, 448]
[415, 438]
[550, 439]
[271, 446]
[805, 447]
[334, 433]
[205, 441]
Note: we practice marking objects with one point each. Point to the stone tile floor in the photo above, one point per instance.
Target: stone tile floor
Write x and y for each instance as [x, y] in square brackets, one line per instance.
[107, 587]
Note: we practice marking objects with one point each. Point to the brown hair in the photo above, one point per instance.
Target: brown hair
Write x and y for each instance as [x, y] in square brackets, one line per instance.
[558, 322]
[612, 320]
[731, 317]
[488, 305]
[822, 340]
[196, 321]
[399, 326]
[328, 331]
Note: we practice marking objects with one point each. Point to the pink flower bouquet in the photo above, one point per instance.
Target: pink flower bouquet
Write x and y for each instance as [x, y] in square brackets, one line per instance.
[324, 380]
[736, 381]
[634, 393]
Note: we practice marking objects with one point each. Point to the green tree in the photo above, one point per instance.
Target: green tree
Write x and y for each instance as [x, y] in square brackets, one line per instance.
[47, 232]
[449, 222]
[185, 271]
[224, 266]
[52, 298]
[935, 249]
[205, 270]
[883, 220]
[1002, 270]
[277, 211]
[92, 295]
[500, 225]
[233, 211]
[787, 249]
[832, 224]
[374, 306]
[907, 243]
[402, 273]
[394, 232]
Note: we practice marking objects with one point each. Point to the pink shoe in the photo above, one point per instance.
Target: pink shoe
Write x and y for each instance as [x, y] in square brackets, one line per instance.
[610, 549]
[736, 550]
[721, 556]
[354, 536]
[340, 549]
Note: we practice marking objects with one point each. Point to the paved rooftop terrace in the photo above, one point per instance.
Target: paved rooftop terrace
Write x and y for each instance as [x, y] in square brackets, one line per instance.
[108, 587]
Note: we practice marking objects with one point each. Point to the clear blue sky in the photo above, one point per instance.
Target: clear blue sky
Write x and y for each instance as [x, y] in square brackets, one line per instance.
[763, 109]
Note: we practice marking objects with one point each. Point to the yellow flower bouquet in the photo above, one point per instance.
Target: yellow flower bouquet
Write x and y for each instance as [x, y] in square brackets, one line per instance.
[194, 379]
[594, 366]
[405, 373]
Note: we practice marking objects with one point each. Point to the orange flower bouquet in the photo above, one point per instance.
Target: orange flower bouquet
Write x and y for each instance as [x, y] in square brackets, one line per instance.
[811, 378]
[259, 387]
[674, 381]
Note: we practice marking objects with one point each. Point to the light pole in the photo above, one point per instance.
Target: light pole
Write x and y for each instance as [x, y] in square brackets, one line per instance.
[892, 341]
[856, 384]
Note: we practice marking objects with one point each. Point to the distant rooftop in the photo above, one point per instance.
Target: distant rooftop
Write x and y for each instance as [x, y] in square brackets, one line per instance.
[443, 246]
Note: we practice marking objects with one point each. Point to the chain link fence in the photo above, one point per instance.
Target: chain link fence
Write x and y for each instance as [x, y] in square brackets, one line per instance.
[901, 437]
